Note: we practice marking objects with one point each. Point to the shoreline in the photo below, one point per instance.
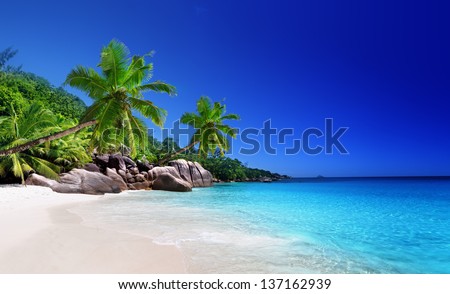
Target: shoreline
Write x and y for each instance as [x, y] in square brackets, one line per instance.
[41, 235]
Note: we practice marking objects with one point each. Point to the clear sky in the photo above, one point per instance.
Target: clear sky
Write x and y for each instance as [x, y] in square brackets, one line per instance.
[380, 68]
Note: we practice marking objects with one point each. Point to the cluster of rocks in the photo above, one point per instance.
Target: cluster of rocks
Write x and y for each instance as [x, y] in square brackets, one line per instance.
[116, 173]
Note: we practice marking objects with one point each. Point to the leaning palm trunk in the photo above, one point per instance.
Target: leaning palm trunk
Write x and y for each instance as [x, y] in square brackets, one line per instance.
[165, 159]
[42, 140]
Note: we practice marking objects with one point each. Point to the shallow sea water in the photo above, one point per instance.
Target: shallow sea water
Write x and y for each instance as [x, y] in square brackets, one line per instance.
[296, 226]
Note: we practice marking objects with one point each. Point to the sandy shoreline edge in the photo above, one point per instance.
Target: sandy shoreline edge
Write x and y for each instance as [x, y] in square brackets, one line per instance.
[40, 235]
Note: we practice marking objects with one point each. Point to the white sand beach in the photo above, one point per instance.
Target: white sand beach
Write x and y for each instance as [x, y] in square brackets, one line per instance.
[40, 235]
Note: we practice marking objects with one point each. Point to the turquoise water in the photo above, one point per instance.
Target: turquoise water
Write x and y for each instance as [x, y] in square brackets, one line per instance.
[345, 226]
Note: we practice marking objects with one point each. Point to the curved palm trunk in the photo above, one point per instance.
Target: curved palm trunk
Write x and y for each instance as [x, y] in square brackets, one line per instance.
[165, 159]
[42, 140]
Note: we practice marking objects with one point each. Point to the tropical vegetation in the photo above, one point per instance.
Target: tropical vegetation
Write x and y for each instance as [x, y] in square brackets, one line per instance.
[34, 121]
[228, 169]
[211, 133]
[21, 89]
[46, 130]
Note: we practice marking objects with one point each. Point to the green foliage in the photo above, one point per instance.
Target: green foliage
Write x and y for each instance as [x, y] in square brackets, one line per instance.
[18, 129]
[47, 159]
[222, 167]
[152, 152]
[117, 91]
[22, 89]
[211, 132]
[10, 97]
[68, 152]
[228, 169]
[169, 145]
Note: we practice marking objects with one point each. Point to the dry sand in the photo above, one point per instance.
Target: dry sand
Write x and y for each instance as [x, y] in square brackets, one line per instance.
[39, 235]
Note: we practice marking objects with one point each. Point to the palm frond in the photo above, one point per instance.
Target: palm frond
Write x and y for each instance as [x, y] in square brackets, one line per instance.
[227, 130]
[26, 167]
[149, 110]
[231, 116]
[87, 80]
[43, 167]
[6, 126]
[4, 119]
[16, 166]
[204, 106]
[110, 113]
[158, 86]
[138, 136]
[137, 72]
[113, 62]
[217, 111]
[93, 111]
[36, 117]
[191, 119]
[69, 151]
[223, 142]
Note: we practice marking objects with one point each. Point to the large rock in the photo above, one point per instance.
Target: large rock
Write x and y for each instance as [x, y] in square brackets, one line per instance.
[140, 178]
[123, 174]
[144, 166]
[37, 180]
[155, 172]
[77, 181]
[145, 174]
[117, 179]
[116, 161]
[207, 177]
[129, 162]
[183, 169]
[134, 171]
[101, 161]
[92, 167]
[192, 172]
[168, 182]
[183, 175]
[197, 180]
[140, 186]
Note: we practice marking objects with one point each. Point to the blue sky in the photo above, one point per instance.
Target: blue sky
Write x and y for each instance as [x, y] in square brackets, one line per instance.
[380, 68]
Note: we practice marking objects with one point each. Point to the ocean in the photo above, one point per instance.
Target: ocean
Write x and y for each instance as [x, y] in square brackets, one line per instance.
[295, 226]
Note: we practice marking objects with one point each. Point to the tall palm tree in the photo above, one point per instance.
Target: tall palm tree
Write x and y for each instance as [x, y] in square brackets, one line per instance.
[117, 91]
[17, 130]
[211, 132]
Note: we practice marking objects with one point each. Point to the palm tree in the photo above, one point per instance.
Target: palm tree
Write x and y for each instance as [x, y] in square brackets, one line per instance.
[212, 134]
[68, 152]
[17, 130]
[54, 136]
[116, 92]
